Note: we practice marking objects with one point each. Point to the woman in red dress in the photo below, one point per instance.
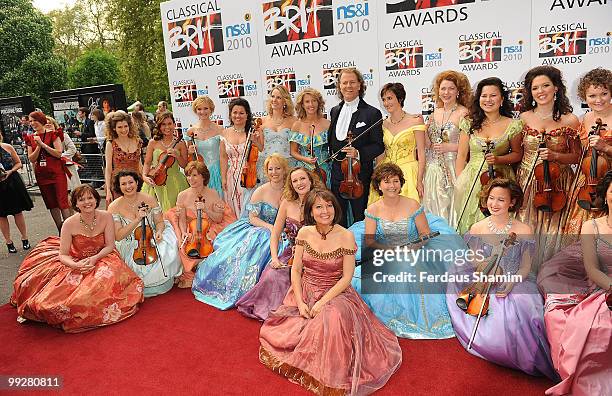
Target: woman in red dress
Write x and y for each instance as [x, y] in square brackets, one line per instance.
[78, 281]
[45, 152]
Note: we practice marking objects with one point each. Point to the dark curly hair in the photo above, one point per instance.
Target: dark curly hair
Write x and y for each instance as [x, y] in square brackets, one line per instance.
[383, 171]
[79, 192]
[397, 89]
[126, 173]
[516, 192]
[562, 104]
[477, 115]
[247, 107]
[598, 77]
[326, 196]
[602, 189]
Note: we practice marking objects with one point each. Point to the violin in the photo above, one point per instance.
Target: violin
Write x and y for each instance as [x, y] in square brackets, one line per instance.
[145, 253]
[473, 300]
[317, 169]
[488, 175]
[195, 156]
[350, 187]
[198, 246]
[594, 167]
[160, 173]
[248, 177]
[548, 196]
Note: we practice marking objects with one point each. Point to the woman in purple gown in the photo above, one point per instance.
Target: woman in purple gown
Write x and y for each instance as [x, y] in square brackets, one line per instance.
[512, 334]
[324, 337]
[275, 280]
[579, 321]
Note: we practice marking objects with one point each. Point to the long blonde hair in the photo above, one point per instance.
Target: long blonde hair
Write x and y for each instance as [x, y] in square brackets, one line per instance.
[288, 109]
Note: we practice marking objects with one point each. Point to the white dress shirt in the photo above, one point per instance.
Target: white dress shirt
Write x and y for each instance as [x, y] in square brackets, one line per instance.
[344, 119]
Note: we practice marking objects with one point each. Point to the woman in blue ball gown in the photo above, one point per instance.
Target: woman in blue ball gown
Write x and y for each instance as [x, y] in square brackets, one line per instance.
[415, 309]
[205, 137]
[240, 250]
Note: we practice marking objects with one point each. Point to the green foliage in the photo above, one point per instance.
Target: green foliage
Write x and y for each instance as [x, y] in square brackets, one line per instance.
[27, 64]
[95, 67]
[141, 46]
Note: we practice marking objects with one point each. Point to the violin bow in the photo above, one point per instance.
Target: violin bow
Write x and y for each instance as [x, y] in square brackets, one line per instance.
[505, 244]
[484, 160]
[159, 257]
[242, 161]
[337, 153]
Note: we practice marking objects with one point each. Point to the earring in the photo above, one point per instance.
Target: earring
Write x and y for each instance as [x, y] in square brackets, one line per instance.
[533, 103]
[555, 97]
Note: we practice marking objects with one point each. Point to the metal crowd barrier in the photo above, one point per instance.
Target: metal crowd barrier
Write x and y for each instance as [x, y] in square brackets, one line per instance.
[92, 166]
[27, 169]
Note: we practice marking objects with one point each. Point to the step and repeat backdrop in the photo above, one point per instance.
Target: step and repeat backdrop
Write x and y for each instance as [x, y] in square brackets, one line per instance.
[228, 48]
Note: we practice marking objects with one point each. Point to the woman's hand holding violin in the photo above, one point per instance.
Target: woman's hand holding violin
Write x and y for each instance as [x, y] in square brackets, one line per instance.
[491, 159]
[547, 154]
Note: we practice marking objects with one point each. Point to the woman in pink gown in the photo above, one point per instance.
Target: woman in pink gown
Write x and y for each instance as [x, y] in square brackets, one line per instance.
[579, 323]
[78, 281]
[323, 336]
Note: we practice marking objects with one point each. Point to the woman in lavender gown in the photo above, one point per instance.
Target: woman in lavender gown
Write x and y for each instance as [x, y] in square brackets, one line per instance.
[512, 334]
[275, 280]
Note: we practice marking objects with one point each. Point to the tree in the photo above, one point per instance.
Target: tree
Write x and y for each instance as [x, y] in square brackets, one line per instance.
[27, 63]
[141, 49]
[95, 67]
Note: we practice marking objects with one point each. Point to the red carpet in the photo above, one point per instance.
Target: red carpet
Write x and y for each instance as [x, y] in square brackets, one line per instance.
[178, 345]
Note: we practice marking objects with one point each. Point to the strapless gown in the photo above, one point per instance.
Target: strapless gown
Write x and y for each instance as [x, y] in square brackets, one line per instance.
[46, 290]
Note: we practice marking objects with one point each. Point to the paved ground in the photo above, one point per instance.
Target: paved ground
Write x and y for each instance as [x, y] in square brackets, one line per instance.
[40, 225]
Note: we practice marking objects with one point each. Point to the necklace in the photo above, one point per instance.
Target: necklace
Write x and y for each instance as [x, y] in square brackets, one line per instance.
[238, 130]
[499, 231]
[489, 122]
[541, 117]
[450, 113]
[87, 226]
[324, 234]
[277, 189]
[278, 122]
[400, 120]
[166, 145]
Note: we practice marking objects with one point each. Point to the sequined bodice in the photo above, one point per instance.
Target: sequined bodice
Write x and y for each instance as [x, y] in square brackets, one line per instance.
[83, 246]
[400, 148]
[263, 210]
[124, 160]
[447, 133]
[5, 159]
[558, 140]
[322, 270]
[276, 142]
[396, 232]
[511, 261]
[502, 143]
[209, 149]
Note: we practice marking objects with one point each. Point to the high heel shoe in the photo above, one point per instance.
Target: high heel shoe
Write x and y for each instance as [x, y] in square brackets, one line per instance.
[11, 248]
[26, 244]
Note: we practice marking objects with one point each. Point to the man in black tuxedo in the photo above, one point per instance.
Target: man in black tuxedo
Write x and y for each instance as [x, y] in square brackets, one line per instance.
[355, 115]
[86, 132]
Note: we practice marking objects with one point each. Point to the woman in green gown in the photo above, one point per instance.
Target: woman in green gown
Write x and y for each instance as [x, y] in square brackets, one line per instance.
[164, 142]
[490, 123]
